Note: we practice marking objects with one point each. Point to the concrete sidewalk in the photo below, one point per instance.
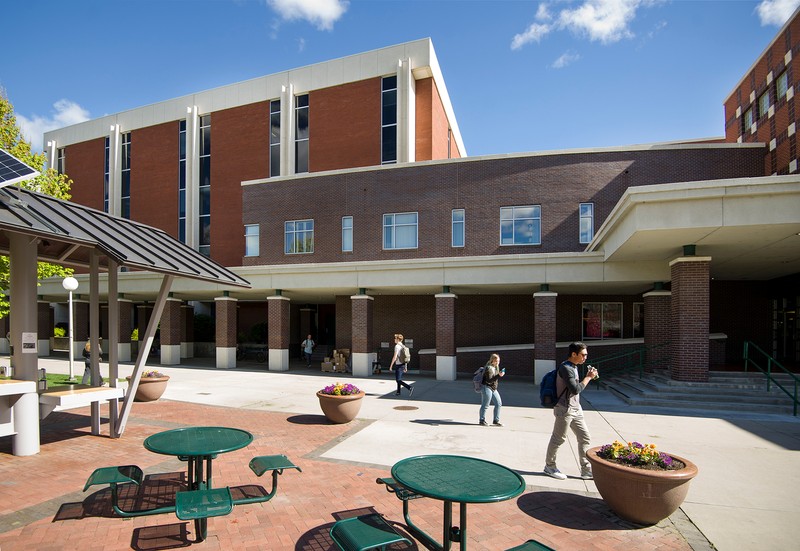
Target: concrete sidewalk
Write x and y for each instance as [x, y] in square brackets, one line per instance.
[743, 496]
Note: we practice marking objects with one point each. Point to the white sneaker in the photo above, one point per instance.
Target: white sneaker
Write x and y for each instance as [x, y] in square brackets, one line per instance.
[587, 475]
[555, 473]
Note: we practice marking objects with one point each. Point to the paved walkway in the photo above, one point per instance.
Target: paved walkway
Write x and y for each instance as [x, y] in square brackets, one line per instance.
[744, 496]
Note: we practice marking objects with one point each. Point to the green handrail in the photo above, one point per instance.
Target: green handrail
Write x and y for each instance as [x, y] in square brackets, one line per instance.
[768, 371]
[633, 360]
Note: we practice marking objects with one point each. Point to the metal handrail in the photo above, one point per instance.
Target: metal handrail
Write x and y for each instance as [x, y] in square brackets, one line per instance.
[768, 371]
[638, 357]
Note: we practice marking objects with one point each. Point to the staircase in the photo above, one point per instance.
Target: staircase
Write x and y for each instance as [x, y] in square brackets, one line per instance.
[725, 391]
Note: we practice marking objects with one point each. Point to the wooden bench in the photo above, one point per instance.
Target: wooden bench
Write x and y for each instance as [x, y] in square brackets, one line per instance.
[75, 396]
[531, 545]
[365, 532]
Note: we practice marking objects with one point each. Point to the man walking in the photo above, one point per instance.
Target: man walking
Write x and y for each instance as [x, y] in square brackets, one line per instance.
[568, 412]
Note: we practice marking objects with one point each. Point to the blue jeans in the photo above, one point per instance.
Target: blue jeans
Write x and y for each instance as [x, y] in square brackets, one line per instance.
[486, 397]
[399, 371]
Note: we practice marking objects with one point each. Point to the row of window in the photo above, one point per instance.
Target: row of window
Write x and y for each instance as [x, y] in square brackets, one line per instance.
[761, 109]
[519, 225]
[603, 320]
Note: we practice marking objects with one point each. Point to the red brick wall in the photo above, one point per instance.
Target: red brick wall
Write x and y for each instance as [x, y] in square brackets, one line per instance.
[690, 320]
[170, 328]
[361, 320]
[432, 126]
[85, 164]
[545, 326]
[278, 324]
[446, 307]
[657, 330]
[225, 322]
[154, 176]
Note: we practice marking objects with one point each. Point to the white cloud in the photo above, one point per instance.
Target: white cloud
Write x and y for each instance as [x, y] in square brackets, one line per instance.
[320, 13]
[567, 58]
[604, 21]
[65, 113]
[776, 12]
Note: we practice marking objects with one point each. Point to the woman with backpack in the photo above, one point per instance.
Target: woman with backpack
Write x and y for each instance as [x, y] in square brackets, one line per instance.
[491, 378]
[399, 364]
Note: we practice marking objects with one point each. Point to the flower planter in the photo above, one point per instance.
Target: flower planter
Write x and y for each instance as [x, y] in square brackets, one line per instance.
[340, 409]
[150, 388]
[639, 495]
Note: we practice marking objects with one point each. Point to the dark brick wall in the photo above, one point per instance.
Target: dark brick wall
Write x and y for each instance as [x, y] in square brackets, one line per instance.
[743, 311]
[657, 330]
[187, 323]
[225, 323]
[125, 321]
[361, 320]
[446, 307]
[278, 323]
[545, 327]
[690, 320]
[170, 328]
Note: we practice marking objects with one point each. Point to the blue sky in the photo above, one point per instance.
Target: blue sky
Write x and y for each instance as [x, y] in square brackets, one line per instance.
[522, 75]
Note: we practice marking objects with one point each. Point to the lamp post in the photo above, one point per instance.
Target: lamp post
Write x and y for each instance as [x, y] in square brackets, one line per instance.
[70, 284]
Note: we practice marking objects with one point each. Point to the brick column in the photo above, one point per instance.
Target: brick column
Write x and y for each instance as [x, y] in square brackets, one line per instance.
[690, 318]
[657, 326]
[278, 332]
[226, 331]
[80, 333]
[362, 354]
[544, 333]
[44, 327]
[125, 329]
[170, 331]
[446, 359]
[187, 331]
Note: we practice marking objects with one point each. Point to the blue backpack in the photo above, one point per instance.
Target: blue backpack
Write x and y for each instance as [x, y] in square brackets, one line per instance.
[547, 389]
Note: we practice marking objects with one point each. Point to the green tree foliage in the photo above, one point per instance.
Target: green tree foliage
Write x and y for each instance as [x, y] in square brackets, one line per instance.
[49, 182]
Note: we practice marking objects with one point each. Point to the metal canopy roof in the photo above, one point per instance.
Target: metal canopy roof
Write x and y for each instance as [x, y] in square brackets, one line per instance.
[68, 232]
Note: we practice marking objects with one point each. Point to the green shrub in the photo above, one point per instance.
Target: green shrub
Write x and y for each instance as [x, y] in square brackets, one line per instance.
[59, 332]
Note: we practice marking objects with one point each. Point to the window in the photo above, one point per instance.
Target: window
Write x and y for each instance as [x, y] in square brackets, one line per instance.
[521, 225]
[275, 138]
[782, 85]
[586, 222]
[747, 120]
[457, 228]
[347, 234]
[389, 120]
[251, 235]
[400, 230]
[301, 134]
[763, 104]
[61, 158]
[299, 237]
[106, 174]
[638, 320]
[125, 192]
[182, 181]
[602, 320]
[204, 222]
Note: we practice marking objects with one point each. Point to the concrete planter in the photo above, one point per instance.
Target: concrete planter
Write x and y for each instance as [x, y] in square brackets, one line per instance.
[340, 409]
[639, 495]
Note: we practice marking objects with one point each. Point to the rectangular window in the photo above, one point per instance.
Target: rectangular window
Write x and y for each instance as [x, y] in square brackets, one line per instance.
[586, 222]
[747, 121]
[301, 135]
[602, 320]
[782, 85]
[204, 221]
[182, 181]
[125, 192]
[457, 228]
[521, 225]
[251, 236]
[389, 120]
[275, 138]
[61, 158]
[299, 237]
[106, 174]
[347, 234]
[400, 230]
[638, 320]
[763, 104]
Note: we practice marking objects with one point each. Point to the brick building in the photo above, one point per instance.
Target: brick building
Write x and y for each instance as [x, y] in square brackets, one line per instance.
[342, 192]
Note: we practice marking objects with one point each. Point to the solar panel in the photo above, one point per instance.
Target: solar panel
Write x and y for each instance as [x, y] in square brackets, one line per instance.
[12, 170]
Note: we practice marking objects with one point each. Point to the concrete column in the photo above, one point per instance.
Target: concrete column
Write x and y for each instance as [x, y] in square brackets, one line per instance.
[446, 360]
[278, 332]
[226, 331]
[171, 332]
[657, 327]
[44, 327]
[544, 333]
[125, 329]
[361, 353]
[187, 331]
[690, 318]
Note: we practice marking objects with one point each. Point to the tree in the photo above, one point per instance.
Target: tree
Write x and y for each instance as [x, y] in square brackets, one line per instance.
[50, 182]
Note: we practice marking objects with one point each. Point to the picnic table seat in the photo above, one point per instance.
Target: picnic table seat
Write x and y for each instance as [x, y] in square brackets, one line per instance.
[531, 545]
[124, 474]
[365, 532]
[263, 464]
[401, 492]
[196, 504]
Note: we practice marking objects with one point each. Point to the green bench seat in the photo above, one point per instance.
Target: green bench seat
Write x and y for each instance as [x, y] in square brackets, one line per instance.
[124, 474]
[392, 486]
[531, 545]
[365, 532]
[198, 504]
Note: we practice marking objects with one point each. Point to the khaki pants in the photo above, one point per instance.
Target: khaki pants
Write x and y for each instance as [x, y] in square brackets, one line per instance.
[568, 418]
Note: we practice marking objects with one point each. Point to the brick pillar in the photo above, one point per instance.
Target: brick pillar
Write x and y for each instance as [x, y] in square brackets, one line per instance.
[80, 333]
[446, 359]
[657, 326]
[44, 328]
[187, 331]
[544, 333]
[226, 331]
[125, 329]
[690, 318]
[361, 348]
[170, 331]
[278, 332]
